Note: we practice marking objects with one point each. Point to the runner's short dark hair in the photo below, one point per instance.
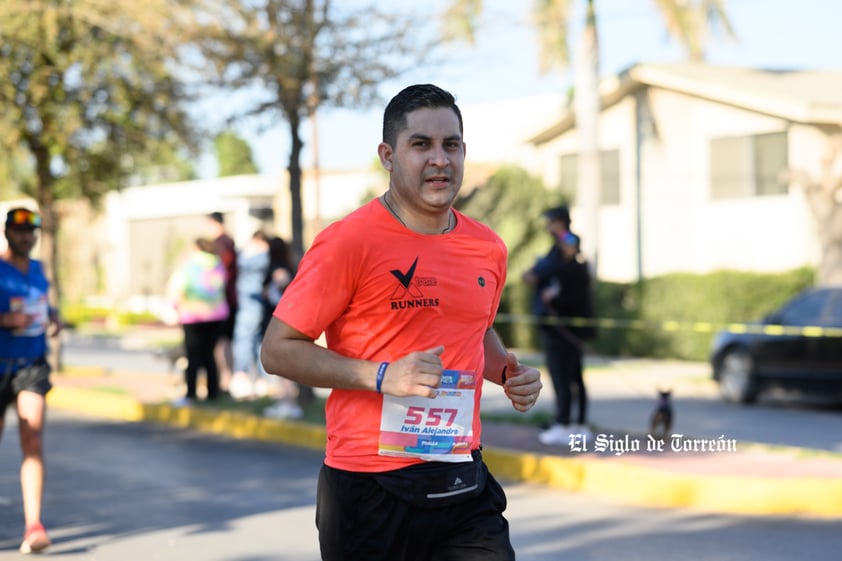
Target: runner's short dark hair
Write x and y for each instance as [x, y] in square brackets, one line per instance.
[418, 96]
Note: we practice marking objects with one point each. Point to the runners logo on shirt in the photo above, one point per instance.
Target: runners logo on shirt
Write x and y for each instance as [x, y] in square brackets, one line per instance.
[408, 293]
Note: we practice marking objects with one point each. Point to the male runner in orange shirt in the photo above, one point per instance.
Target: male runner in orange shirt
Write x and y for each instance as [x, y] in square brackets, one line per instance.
[405, 289]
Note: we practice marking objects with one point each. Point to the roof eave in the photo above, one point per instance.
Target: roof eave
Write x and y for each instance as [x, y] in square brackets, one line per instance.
[614, 89]
[790, 109]
[611, 90]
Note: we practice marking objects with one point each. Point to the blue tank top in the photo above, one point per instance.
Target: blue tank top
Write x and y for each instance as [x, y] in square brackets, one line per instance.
[27, 293]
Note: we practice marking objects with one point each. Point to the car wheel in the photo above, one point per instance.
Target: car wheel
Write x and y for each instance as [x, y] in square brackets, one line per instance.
[736, 377]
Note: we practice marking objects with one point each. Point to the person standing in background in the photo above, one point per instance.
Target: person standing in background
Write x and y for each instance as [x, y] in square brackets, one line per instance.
[280, 273]
[248, 379]
[196, 289]
[570, 296]
[227, 252]
[545, 273]
[25, 319]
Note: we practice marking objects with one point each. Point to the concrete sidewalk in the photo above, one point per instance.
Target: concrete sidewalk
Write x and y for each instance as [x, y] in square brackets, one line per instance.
[753, 479]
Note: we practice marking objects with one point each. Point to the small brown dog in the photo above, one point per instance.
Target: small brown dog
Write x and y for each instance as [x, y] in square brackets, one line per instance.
[660, 425]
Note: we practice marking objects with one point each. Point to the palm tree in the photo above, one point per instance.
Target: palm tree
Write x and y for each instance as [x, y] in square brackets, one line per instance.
[687, 20]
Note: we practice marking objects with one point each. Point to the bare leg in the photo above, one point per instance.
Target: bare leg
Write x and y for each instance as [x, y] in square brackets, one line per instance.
[31, 414]
[224, 360]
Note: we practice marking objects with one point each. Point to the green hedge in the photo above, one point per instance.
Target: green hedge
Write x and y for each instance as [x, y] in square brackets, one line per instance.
[74, 315]
[717, 298]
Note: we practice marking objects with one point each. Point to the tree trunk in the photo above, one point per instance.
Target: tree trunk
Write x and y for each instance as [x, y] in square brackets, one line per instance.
[317, 179]
[49, 238]
[830, 268]
[295, 188]
[825, 198]
[306, 395]
[586, 109]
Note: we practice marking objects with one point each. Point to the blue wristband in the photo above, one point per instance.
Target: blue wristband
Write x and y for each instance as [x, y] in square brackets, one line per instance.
[381, 371]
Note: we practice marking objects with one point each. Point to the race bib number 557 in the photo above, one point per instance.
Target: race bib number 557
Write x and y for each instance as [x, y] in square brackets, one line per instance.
[439, 429]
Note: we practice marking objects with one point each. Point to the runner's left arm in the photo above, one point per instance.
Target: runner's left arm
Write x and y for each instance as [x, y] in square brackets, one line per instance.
[521, 383]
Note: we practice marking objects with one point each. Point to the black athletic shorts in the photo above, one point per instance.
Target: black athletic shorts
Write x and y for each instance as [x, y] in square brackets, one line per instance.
[361, 520]
[33, 378]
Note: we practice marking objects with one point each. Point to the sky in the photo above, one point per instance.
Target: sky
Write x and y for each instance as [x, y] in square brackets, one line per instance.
[503, 66]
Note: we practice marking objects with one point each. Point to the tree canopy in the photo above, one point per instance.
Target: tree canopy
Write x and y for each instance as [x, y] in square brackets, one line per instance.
[233, 155]
[301, 56]
[89, 90]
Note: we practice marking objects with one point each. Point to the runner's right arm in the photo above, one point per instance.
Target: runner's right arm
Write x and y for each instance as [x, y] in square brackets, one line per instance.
[293, 355]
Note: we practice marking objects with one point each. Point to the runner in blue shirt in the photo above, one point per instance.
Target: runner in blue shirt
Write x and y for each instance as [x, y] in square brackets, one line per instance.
[25, 318]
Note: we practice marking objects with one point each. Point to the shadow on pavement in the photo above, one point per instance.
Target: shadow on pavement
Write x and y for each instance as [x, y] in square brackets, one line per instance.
[107, 488]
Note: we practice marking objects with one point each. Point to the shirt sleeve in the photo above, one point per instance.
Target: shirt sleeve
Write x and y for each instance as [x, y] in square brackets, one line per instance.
[323, 285]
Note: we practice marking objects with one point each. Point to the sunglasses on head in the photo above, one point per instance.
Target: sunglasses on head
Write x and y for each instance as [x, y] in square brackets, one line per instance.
[24, 218]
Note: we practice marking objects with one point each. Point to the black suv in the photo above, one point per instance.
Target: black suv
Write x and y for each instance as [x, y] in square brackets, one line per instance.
[799, 347]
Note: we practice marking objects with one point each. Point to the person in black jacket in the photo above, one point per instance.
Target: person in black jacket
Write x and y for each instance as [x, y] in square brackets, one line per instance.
[569, 296]
[545, 271]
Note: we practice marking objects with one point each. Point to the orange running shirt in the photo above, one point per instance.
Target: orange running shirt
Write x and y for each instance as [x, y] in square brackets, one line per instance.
[380, 291]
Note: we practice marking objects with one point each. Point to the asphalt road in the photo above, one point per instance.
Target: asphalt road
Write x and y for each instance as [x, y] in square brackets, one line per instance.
[136, 492]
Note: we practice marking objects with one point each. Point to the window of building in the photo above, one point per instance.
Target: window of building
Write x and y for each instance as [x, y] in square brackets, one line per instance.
[610, 170]
[748, 166]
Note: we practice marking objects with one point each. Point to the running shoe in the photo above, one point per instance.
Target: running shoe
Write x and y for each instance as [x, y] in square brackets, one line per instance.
[557, 435]
[283, 410]
[35, 539]
[182, 402]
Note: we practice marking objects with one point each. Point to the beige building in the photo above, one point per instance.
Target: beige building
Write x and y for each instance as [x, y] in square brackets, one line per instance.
[693, 165]
[148, 228]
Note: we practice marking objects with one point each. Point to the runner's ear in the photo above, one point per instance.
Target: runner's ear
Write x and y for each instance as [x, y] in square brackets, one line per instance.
[384, 152]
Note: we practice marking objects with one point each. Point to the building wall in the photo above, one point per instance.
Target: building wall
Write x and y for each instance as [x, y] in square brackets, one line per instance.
[335, 194]
[149, 228]
[618, 239]
[684, 228]
[681, 227]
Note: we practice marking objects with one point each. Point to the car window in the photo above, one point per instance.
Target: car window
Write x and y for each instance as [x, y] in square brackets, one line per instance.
[806, 309]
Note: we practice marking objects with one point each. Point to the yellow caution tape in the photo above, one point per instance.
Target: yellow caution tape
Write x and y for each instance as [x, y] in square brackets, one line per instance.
[675, 326]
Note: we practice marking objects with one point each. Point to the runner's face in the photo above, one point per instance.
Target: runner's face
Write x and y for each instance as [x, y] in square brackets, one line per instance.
[21, 240]
[428, 160]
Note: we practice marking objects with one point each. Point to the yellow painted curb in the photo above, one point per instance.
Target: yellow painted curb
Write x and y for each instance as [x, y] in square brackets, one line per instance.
[231, 423]
[615, 480]
[638, 485]
[101, 404]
